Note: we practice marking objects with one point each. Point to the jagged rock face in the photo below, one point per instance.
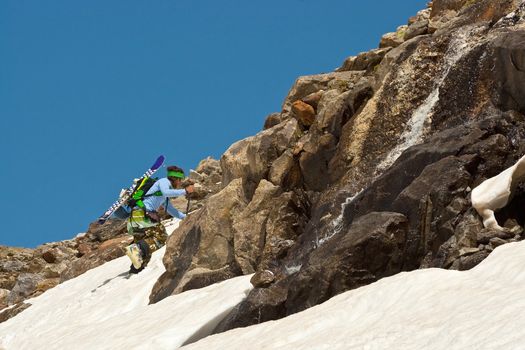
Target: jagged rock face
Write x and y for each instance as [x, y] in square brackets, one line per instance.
[251, 158]
[436, 225]
[202, 245]
[230, 236]
[208, 181]
[372, 248]
[503, 70]
[386, 159]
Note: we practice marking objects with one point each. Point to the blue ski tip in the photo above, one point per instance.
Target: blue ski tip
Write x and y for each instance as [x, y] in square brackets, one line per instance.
[158, 162]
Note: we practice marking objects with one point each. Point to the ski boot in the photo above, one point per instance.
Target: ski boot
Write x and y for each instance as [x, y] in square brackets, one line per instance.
[135, 255]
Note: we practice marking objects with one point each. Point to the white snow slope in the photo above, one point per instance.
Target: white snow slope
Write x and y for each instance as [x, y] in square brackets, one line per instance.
[483, 308]
[101, 309]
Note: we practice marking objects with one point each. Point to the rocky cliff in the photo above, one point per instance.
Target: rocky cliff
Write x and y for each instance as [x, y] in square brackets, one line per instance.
[368, 170]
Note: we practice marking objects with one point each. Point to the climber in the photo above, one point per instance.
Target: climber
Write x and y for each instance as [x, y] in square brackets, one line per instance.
[144, 223]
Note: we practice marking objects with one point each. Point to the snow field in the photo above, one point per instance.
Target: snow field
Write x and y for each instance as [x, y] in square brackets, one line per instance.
[483, 308]
[102, 309]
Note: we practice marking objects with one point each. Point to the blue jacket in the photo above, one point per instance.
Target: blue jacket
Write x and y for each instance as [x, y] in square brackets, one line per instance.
[153, 203]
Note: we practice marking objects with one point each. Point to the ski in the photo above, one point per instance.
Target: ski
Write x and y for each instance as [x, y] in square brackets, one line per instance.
[127, 193]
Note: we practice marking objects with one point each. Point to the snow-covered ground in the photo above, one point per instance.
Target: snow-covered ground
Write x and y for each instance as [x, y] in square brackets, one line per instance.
[483, 308]
[102, 309]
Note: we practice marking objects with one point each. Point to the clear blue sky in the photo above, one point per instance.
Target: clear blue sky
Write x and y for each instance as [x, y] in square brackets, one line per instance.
[91, 92]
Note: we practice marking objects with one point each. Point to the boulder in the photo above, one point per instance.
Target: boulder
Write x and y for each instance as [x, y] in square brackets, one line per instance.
[203, 242]
[250, 159]
[502, 70]
[314, 98]
[250, 227]
[470, 261]
[286, 220]
[336, 108]
[272, 120]
[107, 251]
[102, 232]
[3, 298]
[364, 61]
[484, 236]
[303, 112]
[307, 85]
[285, 171]
[261, 305]
[26, 285]
[393, 39]
[441, 7]
[49, 256]
[314, 160]
[371, 249]
[416, 29]
[13, 311]
[262, 279]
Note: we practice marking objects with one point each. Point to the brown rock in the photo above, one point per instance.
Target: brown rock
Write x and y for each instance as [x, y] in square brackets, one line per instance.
[365, 60]
[54, 270]
[84, 248]
[314, 98]
[466, 232]
[416, 29]
[468, 262]
[307, 85]
[285, 171]
[496, 242]
[485, 235]
[393, 39]
[250, 159]
[8, 280]
[303, 112]
[371, 249]
[204, 243]
[26, 285]
[262, 279]
[99, 233]
[314, 161]
[3, 298]
[208, 167]
[264, 304]
[13, 311]
[286, 221]
[440, 7]
[114, 243]
[49, 256]
[272, 120]
[336, 108]
[107, 251]
[250, 227]
[46, 284]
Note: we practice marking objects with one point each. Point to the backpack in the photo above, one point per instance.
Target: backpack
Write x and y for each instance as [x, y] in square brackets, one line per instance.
[139, 193]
